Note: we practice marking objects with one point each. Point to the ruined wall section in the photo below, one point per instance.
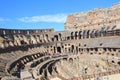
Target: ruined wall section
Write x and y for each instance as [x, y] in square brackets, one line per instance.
[95, 19]
[17, 37]
[25, 32]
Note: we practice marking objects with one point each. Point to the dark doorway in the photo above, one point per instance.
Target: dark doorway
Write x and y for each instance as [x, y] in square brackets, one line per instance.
[72, 50]
[119, 63]
[72, 36]
[23, 42]
[76, 35]
[59, 49]
[56, 36]
[88, 33]
[80, 34]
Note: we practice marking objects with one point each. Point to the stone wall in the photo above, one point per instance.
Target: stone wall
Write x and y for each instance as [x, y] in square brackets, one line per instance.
[95, 19]
[23, 31]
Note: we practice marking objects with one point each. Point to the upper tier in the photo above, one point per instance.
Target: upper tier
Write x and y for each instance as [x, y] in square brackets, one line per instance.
[21, 31]
[94, 19]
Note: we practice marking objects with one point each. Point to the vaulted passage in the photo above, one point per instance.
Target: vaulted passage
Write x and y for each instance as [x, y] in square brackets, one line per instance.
[59, 49]
[119, 63]
[56, 37]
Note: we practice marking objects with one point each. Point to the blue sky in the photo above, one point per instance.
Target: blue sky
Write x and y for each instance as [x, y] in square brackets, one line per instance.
[42, 14]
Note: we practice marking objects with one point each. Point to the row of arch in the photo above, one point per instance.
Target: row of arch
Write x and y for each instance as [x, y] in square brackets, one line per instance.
[82, 34]
[87, 34]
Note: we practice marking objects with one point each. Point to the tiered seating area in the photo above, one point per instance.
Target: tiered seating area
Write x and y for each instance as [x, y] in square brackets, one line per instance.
[23, 57]
[85, 65]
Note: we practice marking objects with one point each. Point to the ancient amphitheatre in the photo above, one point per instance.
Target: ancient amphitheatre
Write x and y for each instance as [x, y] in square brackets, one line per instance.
[88, 49]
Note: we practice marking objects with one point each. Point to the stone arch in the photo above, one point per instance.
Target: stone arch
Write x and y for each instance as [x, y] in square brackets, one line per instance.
[109, 49]
[77, 50]
[46, 38]
[76, 35]
[46, 35]
[60, 36]
[54, 49]
[118, 63]
[91, 53]
[56, 37]
[84, 34]
[23, 42]
[70, 59]
[59, 49]
[87, 36]
[72, 48]
[87, 49]
[91, 33]
[113, 61]
[103, 31]
[104, 49]
[97, 33]
[72, 35]
[68, 38]
[80, 34]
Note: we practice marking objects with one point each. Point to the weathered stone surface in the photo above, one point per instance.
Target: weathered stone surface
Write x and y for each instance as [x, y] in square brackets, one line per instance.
[94, 19]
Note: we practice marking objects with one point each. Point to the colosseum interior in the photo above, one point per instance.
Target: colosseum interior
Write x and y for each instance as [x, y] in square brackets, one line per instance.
[88, 49]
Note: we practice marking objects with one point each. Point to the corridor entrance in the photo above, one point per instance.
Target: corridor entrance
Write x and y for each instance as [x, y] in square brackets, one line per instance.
[59, 49]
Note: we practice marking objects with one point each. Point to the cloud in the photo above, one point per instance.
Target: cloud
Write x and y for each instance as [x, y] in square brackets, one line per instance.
[58, 18]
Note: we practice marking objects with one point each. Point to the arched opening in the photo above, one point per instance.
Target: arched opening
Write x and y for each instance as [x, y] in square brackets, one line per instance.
[92, 34]
[104, 49]
[96, 33]
[60, 36]
[54, 50]
[87, 49]
[99, 53]
[84, 34]
[114, 49]
[23, 42]
[91, 53]
[96, 49]
[59, 49]
[76, 35]
[104, 33]
[47, 36]
[112, 54]
[68, 38]
[113, 61]
[80, 34]
[101, 44]
[70, 60]
[72, 50]
[72, 37]
[88, 34]
[56, 37]
[65, 59]
[109, 49]
[52, 39]
[119, 63]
